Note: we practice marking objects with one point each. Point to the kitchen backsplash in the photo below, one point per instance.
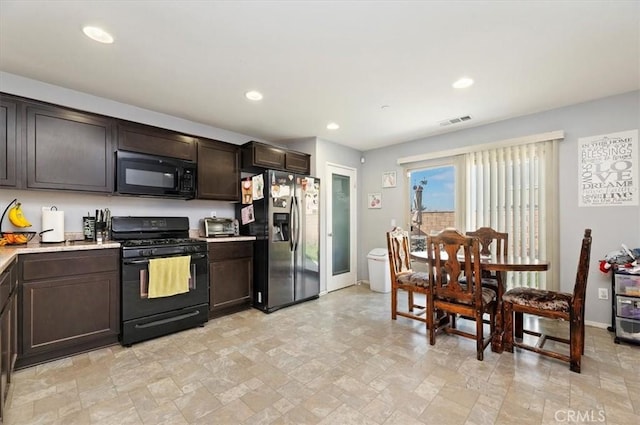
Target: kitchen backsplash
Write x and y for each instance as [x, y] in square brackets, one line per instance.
[77, 205]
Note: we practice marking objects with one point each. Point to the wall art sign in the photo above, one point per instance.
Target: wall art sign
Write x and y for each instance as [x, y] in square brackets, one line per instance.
[608, 169]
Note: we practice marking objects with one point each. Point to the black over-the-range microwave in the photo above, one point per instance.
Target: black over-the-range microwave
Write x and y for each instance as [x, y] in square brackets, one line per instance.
[151, 175]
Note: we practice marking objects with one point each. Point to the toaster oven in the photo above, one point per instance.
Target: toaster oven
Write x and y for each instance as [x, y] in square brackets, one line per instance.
[218, 227]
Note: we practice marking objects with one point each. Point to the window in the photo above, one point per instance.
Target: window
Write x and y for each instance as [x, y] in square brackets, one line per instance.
[509, 186]
[432, 194]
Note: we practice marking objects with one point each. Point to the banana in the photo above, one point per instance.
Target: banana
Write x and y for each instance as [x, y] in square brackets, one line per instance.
[17, 218]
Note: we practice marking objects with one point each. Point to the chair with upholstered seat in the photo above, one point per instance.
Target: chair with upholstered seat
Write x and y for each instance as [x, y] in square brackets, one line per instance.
[404, 278]
[552, 305]
[450, 253]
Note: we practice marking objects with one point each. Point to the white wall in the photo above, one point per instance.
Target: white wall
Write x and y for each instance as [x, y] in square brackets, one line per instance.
[611, 225]
[76, 204]
[25, 87]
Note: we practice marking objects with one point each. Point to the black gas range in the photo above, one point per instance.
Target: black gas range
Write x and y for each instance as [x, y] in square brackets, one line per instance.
[144, 240]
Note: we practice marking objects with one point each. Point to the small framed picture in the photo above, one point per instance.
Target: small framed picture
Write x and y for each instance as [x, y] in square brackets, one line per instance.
[389, 179]
[374, 200]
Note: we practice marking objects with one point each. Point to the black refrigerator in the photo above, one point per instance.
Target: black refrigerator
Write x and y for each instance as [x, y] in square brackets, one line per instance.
[282, 210]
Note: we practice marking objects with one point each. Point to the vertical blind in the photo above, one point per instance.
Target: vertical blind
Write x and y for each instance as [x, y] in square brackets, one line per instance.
[507, 188]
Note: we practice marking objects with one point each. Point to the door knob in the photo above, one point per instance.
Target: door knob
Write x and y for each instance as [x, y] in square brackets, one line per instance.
[330, 235]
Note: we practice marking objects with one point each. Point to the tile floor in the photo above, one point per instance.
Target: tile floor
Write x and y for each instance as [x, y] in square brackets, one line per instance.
[336, 360]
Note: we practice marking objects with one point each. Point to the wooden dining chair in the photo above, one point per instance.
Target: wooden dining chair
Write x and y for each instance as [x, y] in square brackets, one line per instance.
[403, 278]
[492, 243]
[450, 253]
[552, 305]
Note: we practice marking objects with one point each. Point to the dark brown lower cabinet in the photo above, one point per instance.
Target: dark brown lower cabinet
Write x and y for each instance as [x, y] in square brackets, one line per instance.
[70, 303]
[8, 331]
[230, 277]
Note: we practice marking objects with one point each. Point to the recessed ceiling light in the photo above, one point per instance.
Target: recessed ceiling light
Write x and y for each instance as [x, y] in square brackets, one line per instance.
[253, 95]
[332, 126]
[384, 107]
[463, 83]
[98, 34]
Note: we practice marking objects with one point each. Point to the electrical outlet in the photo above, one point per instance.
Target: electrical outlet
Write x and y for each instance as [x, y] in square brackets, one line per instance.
[214, 214]
[603, 293]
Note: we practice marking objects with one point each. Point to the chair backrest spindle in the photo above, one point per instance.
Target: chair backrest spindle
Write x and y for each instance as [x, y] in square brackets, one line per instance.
[580, 286]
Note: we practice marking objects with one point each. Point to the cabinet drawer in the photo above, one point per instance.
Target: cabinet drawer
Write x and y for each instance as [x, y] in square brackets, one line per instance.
[628, 284]
[72, 263]
[628, 328]
[227, 250]
[628, 307]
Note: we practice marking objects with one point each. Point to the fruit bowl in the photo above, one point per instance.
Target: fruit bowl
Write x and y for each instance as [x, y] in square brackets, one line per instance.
[16, 238]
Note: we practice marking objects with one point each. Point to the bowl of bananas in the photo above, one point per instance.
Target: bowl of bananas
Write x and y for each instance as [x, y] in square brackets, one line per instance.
[17, 218]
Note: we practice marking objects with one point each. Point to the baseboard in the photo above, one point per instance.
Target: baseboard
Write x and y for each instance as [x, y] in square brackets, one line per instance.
[596, 324]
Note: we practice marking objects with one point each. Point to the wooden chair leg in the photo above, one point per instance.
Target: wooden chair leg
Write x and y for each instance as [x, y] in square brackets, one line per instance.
[582, 333]
[394, 303]
[479, 337]
[507, 316]
[430, 324]
[575, 344]
[410, 298]
[492, 326]
[517, 324]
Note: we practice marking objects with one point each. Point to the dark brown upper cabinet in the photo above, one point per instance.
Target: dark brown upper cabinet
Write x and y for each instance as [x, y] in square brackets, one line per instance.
[297, 162]
[156, 141]
[218, 170]
[257, 156]
[68, 150]
[8, 142]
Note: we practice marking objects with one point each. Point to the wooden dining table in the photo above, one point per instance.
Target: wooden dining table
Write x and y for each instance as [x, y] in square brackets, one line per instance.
[500, 265]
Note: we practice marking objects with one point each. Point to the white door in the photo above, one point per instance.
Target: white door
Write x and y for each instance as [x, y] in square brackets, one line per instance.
[341, 263]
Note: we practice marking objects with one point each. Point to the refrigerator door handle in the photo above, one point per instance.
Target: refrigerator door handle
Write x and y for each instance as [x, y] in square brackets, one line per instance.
[292, 212]
[294, 223]
[297, 221]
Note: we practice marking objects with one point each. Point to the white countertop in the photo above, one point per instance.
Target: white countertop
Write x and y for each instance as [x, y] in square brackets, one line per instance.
[9, 252]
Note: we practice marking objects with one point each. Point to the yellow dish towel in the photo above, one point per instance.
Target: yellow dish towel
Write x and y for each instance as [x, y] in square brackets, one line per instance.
[169, 276]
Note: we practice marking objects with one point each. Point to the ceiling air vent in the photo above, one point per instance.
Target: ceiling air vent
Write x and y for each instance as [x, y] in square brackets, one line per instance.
[455, 120]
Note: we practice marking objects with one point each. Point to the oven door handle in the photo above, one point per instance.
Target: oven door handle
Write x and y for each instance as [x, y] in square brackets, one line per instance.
[136, 262]
[146, 261]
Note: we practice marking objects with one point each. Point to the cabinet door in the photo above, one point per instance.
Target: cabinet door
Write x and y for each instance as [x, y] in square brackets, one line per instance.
[13, 330]
[5, 337]
[156, 141]
[261, 155]
[68, 150]
[298, 162]
[230, 283]
[69, 313]
[218, 171]
[8, 142]
[69, 302]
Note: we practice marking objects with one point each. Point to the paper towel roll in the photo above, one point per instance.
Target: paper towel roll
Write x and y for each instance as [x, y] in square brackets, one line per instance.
[52, 219]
